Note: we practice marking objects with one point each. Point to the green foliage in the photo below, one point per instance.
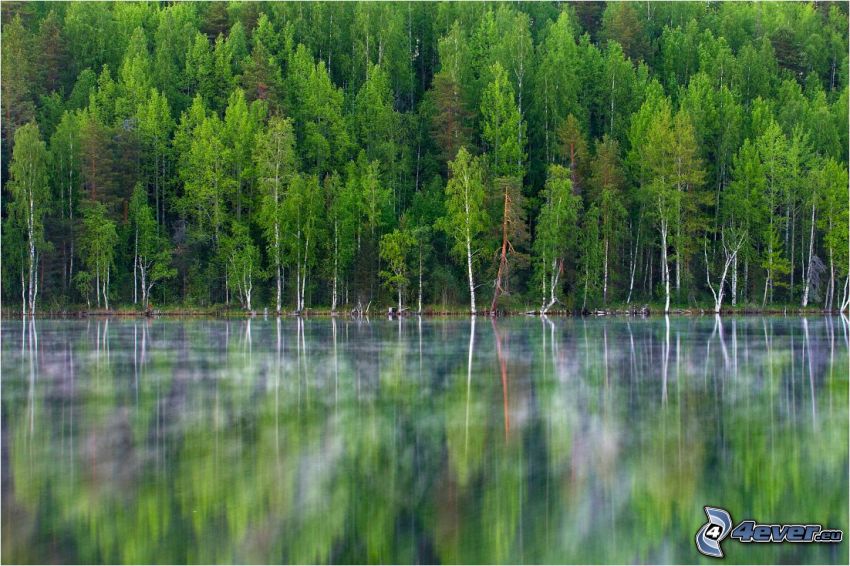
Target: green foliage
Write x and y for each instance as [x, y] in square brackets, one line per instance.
[503, 128]
[556, 230]
[97, 248]
[396, 248]
[242, 262]
[680, 123]
[29, 206]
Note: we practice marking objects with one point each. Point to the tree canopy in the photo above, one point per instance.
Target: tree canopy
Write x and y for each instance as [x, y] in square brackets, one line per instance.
[297, 155]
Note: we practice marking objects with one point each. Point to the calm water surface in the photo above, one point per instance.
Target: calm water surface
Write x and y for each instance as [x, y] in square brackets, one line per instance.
[523, 440]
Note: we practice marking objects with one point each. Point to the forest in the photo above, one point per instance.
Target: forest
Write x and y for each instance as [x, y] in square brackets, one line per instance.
[483, 157]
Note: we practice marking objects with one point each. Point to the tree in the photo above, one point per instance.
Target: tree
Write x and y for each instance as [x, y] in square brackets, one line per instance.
[503, 135]
[730, 253]
[573, 150]
[660, 188]
[608, 184]
[450, 121]
[825, 179]
[65, 151]
[556, 232]
[590, 257]
[558, 92]
[18, 105]
[240, 127]
[688, 177]
[831, 178]
[514, 232]
[466, 214]
[742, 208]
[30, 203]
[621, 23]
[303, 205]
[317, 113]
[773, 151]
[152, 258]
[502, 129]
[395, 250]
[135, 76]
[97, 248]
[343, 207]
[155, 126]
[276, 163]
[242, 259]
[206, 179]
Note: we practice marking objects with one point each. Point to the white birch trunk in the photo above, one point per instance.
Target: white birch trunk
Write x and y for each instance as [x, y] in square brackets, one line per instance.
[807, 276]
[469, 273]
[665, 268]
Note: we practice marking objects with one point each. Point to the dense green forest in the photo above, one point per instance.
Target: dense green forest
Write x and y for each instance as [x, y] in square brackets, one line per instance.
[291, 156]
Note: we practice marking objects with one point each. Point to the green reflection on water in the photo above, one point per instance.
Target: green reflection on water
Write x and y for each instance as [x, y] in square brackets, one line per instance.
[457, 441]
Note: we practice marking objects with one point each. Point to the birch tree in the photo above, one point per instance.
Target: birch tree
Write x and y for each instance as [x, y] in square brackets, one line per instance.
[276, 162]
[395, 250]
[243, 262]
[152, 257]
[303, 207]
[730, 252]
[556, 233]
[99, 239]
[29, 205]
[466, 214]
[835, 224]
[660, 190]
[607, 180]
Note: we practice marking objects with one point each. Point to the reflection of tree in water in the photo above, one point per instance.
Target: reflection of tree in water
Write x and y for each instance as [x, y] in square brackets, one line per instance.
[408, 440]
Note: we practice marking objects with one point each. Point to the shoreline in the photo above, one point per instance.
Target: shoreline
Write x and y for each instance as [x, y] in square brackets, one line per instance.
[214, 313]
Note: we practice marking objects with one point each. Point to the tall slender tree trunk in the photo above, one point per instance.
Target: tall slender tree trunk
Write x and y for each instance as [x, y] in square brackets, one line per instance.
[419, 310]
[503, 259]
[278, 274]
[135, 266]
[336, 267]
[605, 274]
[735, 281]
[665, 268]
[32, 284]
[469, 272]
[635, 255]
[807, 276]
[23, 294]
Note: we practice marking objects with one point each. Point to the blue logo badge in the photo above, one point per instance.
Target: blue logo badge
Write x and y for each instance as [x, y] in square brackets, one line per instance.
[711, 534]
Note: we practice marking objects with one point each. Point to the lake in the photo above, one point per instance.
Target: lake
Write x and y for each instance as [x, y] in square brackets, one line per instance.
[517, 440]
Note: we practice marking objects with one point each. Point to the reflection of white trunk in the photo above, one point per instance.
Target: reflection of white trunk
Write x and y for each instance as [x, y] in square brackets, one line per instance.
[469, 379]
[665, 361]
